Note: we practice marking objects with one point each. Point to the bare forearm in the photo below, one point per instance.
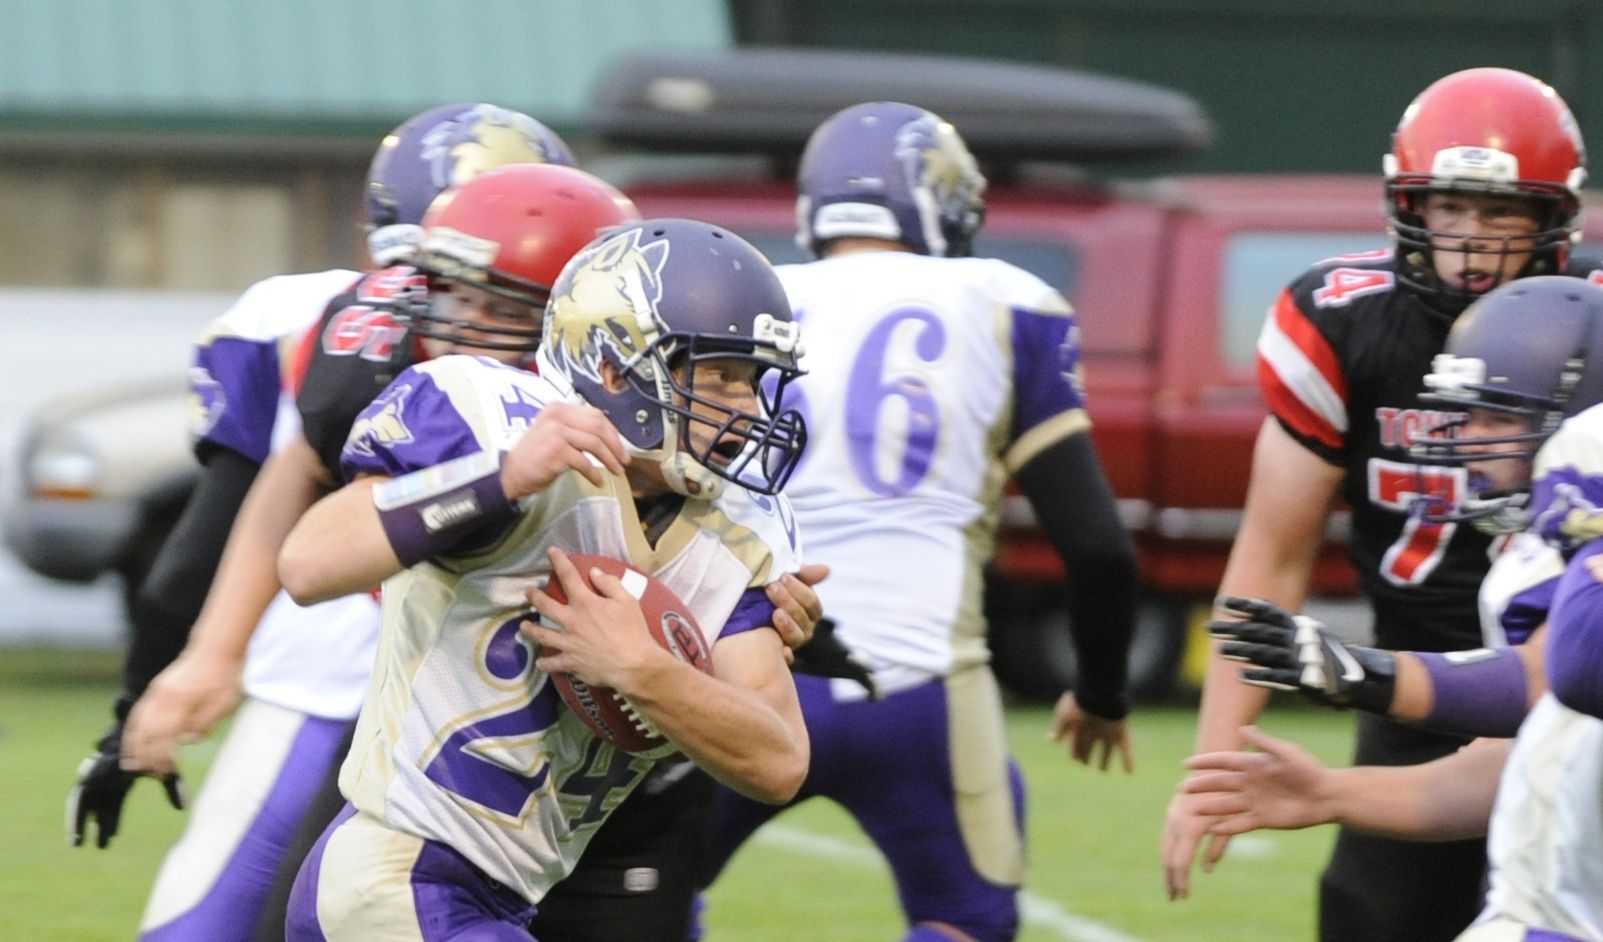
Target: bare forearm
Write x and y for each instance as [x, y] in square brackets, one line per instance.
[338, 547]
[1227, 705]
[1282, 530]
[1448, 799]
[1534, 653]
[1257, 569]
[751, 740]
[247, 577]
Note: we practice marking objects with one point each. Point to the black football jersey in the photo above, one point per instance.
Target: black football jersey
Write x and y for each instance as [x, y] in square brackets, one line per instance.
[1341, 361]
[356, 348]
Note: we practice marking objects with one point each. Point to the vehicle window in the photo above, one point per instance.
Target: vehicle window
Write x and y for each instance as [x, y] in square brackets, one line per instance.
[779, 247]
[1052, 262]
[1257, 265]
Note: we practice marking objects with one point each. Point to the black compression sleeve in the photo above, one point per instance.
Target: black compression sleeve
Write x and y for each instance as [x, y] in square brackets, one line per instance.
[1075, 506]
[167, 604]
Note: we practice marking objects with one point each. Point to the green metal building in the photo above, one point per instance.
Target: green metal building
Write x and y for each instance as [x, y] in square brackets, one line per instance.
[206, 143]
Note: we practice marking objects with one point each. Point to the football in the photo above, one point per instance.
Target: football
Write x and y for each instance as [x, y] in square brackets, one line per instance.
[603, 710]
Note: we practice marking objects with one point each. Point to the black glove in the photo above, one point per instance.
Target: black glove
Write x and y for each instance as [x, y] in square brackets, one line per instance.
[824, 656]
[102, 784]
[1295, 652]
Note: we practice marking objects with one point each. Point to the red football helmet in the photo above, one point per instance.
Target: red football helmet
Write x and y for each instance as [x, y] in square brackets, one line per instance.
[509, 231]
[1485, 131]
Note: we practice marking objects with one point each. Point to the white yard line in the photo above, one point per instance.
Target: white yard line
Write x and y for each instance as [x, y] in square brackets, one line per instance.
[1253, 847]
[1047, 914]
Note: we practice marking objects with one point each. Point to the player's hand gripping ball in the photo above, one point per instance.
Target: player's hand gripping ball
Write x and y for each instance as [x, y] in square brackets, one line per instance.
[603, 710]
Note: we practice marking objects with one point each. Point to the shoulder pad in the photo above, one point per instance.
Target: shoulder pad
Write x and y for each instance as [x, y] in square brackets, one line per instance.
[771, 519]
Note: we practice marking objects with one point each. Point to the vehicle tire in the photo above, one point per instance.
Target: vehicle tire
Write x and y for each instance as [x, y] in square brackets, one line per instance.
[1033, 655]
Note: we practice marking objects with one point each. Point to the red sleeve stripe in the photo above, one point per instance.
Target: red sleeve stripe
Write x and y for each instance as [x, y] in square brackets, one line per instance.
[1300, 375]
[301, 358]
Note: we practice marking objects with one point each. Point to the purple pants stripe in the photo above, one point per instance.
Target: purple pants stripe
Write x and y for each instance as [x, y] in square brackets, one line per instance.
[300, 923]
[230, 909]
[889, 765]
[458, 903]
[450, 898]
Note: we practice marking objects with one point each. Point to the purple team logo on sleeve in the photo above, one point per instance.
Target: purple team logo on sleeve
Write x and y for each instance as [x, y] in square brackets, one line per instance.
[1046, 368]
[206, 401]
[1568, 505]
[411, 425]
[234, 388]
[520, 408]
[382, 424]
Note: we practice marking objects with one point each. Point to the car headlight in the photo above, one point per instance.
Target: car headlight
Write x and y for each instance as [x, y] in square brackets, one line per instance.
[64, 468]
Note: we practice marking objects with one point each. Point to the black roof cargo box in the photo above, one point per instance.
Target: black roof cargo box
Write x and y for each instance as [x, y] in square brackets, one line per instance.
[768, 100]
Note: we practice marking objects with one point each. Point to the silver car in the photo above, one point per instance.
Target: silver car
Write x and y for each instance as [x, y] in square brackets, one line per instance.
[104, 474]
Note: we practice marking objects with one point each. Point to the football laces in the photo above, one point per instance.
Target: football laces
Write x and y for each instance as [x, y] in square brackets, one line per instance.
[640, 721]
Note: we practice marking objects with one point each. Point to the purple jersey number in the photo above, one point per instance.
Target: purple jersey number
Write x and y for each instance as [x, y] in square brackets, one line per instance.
[869, 390]
[461, 768]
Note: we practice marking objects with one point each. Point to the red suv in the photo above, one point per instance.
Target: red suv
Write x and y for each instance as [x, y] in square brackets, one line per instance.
[1171, 280]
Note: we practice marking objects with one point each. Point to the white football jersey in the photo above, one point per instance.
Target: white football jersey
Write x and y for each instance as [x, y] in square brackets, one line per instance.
[463, 740]
[929, 380]
[1518, 589]
[1546, 841]
[315, 659]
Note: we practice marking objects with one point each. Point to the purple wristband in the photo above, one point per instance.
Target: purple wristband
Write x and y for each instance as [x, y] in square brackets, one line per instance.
[1483, 692]
[430, 512]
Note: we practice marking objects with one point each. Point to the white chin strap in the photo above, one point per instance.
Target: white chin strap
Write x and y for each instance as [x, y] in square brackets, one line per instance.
[691, 478]
[683, 474]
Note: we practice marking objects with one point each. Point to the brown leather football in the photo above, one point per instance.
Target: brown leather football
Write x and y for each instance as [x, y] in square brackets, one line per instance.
[603, 710]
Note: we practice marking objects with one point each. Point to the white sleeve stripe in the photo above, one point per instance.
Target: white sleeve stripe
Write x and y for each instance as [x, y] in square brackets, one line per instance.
[1300, 376]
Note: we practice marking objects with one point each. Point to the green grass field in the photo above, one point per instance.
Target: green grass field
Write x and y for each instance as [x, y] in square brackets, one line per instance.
[1093, 877]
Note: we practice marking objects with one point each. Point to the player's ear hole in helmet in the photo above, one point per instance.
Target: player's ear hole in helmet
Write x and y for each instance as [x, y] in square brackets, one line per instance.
[888, 170]
[508, 232]
[670, 305]
[438, 149]
[1530, 350]
[1475, 135]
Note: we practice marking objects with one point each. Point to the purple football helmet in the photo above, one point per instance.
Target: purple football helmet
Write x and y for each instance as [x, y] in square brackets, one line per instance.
[1531, 348]
[886, 170]
[440, 148]
[654, 299]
